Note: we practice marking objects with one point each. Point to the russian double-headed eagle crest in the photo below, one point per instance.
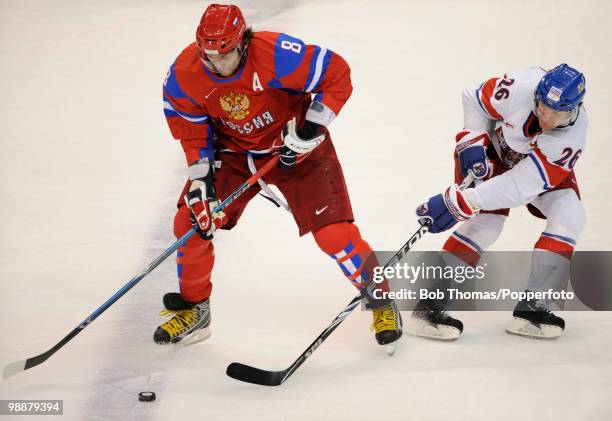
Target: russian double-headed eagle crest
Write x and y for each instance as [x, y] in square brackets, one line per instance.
[236, 105]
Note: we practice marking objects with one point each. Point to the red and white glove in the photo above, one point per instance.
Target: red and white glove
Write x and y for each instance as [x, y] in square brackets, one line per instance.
[299, 142]
[202, 200]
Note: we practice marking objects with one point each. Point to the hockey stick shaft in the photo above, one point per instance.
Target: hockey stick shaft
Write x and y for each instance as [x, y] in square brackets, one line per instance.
[254, 375]
[18, 366]
[399, 255]
[328, 331]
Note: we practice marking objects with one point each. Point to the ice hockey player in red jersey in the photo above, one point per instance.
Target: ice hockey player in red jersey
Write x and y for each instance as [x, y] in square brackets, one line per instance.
[523, 133]
[234, 98]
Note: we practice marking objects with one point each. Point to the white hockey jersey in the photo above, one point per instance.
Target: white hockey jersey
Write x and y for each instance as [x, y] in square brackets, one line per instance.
[538, 160]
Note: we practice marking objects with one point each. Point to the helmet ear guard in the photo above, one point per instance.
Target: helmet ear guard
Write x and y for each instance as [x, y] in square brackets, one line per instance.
[562, 88]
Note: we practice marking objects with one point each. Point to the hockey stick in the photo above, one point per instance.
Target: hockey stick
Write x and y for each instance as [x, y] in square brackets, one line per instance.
[246, 373]
[19, 366]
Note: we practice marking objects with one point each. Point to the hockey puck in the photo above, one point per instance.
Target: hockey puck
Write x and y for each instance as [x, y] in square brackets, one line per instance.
[146, 396]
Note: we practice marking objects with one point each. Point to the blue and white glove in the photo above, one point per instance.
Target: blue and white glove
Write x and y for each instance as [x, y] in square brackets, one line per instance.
[442, 211]
[471, 149]
[298, 142]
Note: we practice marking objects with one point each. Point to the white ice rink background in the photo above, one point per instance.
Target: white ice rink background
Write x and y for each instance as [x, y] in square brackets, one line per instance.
[90, 175]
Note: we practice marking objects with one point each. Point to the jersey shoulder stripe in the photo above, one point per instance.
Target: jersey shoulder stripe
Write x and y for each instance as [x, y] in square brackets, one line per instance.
[318, 66]
[550, 173]
[484, 94]
[170, 111]
[297, 67]
[172, 86]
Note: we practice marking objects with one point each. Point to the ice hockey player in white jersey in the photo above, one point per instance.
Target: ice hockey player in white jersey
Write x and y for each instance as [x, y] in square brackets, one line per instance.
[523, 134]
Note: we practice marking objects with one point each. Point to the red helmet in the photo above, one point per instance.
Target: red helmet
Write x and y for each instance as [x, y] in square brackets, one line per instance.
[220, 30]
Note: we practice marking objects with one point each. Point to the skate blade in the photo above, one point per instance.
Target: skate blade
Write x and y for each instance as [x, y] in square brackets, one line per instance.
[196, 337]
[525, 328]
[423, 329]
[390, 349]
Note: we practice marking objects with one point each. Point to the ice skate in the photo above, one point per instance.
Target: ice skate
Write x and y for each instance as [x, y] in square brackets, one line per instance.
[387, 324]
[430, 320]
[190, 323]
[534, 320]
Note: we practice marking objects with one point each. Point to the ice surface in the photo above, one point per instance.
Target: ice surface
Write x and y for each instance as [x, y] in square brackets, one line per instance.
[89, 177]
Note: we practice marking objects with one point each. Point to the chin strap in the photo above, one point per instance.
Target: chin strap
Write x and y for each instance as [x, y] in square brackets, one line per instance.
[242, 49]
[573, 117]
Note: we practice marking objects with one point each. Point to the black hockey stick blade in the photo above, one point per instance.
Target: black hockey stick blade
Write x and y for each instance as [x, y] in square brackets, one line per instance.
[18, 366]
[248, 374]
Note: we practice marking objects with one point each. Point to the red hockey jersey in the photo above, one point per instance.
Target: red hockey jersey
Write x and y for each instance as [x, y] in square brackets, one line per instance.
[248, 110]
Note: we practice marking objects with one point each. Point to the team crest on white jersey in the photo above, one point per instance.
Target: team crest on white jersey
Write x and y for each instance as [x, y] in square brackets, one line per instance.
[236, 105]
[508, 156]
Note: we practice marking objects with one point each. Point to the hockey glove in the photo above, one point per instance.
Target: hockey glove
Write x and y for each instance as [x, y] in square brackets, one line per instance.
[471, 149]
[297, 143]
[202, 200]
[442, 211]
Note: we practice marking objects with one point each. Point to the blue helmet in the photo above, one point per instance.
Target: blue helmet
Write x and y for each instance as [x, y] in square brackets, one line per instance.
[561, 88]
